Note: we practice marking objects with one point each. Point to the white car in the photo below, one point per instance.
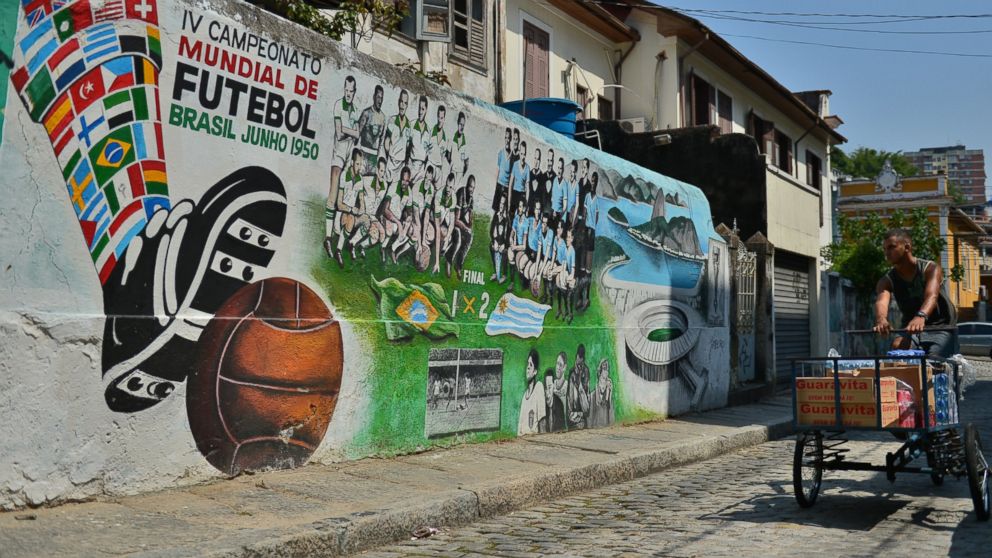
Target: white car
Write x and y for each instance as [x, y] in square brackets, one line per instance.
[975, 338]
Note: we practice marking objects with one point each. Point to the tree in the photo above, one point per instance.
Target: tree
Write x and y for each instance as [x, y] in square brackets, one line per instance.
[360, 18]
[859, 256]
[865, 162]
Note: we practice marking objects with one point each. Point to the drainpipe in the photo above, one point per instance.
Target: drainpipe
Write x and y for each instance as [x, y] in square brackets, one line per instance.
[681, 67]
[498, 52]
[659, 60]
[618, 71]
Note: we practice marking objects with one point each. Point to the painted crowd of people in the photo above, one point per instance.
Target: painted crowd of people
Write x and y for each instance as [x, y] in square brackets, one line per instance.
[554, 402]
[399, 184]
[543, 230]
[404, 185]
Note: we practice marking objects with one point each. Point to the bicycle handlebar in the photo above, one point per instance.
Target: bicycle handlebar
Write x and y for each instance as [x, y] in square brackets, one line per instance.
[903, 330]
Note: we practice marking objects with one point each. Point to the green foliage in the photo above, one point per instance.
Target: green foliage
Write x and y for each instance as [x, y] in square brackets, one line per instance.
[866, 162]
[438, 77]
[360, 18]
[956, 194]
[859, 256]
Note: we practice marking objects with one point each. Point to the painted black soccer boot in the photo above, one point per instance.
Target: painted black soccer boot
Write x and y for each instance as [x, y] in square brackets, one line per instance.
[174, 276]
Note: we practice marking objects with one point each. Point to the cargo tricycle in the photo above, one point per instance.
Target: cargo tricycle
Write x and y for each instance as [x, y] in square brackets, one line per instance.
[912, 396]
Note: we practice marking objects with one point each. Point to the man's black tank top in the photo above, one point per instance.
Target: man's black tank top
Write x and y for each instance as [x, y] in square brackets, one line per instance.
[909, 296]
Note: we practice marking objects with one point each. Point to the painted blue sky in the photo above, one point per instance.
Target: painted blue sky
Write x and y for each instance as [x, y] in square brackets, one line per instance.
[892, 101]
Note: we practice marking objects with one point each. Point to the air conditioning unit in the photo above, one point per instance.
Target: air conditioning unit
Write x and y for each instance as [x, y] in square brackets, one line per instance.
[634, 125]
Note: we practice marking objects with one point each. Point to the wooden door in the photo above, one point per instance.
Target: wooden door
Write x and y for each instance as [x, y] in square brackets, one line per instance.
[537, 73]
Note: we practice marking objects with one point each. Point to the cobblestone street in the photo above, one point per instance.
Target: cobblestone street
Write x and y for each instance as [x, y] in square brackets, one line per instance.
[742, 504]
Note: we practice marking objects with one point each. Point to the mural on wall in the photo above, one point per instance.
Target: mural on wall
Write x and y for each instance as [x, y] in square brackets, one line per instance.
[442, 269]
[89, 74]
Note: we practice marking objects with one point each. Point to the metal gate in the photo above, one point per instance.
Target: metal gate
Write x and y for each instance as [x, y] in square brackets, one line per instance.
[745, 268]
[791, 300]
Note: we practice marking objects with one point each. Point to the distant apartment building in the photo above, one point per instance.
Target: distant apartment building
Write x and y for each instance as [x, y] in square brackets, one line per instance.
[965, 168]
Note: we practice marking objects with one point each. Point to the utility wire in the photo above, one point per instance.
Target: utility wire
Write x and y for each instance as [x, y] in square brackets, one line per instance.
[846, 47]
[827, 27]
[814, 14]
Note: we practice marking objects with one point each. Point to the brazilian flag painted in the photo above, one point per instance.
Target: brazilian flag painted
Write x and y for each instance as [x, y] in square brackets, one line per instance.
[406, 310]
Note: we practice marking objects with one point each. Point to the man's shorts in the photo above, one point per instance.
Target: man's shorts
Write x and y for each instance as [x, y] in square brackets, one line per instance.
[942, 344]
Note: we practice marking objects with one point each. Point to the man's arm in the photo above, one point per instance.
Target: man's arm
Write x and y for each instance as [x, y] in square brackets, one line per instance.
[884, 291]
[931, 291]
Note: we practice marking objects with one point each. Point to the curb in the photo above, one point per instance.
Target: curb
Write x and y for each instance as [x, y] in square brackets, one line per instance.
[343, 536]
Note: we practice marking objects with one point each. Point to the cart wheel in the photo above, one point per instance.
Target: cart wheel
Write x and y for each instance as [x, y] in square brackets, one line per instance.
[978, 472]
[807, 468]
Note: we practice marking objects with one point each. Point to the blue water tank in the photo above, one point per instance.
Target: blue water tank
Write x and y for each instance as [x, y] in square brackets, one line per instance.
[557, 114]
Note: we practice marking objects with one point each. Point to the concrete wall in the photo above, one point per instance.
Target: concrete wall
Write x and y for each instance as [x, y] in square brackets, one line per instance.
[204, 279]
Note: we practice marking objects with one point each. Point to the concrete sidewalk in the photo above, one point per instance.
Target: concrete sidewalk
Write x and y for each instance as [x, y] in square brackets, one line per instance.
[329, 510]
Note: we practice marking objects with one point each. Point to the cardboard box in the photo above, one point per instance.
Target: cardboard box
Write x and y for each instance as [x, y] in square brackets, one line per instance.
[852, 390]
[907, 373]
[854, 414]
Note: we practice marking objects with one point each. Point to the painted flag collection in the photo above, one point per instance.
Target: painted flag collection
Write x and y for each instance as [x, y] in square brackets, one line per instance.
[88, 71]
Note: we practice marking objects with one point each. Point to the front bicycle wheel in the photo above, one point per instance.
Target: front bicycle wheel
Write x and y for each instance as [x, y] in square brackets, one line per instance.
[807, 467]
[978, 472]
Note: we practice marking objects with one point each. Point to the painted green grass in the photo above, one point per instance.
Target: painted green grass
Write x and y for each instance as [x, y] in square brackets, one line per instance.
[397, 378]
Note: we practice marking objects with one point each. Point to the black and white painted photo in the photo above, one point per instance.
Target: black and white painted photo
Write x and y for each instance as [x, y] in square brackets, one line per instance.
[464, 391]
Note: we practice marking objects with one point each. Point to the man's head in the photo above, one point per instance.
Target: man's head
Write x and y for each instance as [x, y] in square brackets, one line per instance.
[549, 386]
[561, 363]
[897, 246]
[349, 89]
[356, 160]
[380, 169]
[533, 363]
[402, 102]
[377, 97]
[441, 111]
[422, 108]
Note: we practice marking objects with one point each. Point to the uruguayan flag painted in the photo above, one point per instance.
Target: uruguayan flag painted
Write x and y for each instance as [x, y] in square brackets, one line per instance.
[517, 316]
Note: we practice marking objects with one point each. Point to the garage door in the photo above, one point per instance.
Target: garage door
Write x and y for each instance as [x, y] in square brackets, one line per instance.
[791, 298]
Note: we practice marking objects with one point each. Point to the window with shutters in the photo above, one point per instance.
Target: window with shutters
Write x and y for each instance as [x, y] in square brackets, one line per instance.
[468, 41]
[581, 97]
[783, 152]
[814, 169]
[427, 20]
[725, 112]
[763, 132]
[703, 99]
[537, 43]
[605, 108]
